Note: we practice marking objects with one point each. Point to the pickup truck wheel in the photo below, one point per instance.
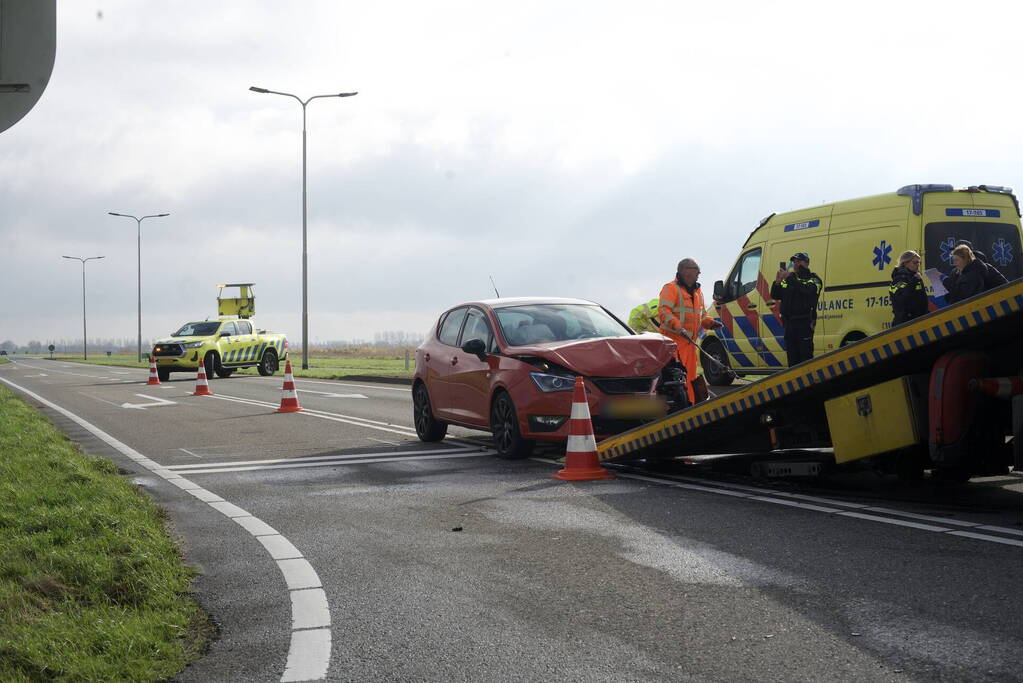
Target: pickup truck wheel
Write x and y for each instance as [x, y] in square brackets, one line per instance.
[268, 364]
[504, 423]
[225, 372]
[428, 428]
[211, 362]
[163, 374]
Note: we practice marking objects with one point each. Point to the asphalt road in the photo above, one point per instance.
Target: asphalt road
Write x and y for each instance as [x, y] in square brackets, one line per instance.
[333, 545]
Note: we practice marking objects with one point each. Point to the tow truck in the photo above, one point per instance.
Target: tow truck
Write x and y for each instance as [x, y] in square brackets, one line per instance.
[225, 344]
[941, 392]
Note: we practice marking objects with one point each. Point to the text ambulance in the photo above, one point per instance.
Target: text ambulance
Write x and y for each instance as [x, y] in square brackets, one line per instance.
[853, 245]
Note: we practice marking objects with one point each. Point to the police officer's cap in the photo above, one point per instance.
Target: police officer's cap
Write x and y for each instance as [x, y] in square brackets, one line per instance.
[800, 256]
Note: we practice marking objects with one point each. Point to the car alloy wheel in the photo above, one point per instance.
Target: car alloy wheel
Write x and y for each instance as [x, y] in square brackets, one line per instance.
[428, 428]
[504, 423]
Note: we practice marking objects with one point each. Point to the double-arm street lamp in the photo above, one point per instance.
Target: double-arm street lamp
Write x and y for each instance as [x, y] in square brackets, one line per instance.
[305, 253]
[85, 343]
[139, 221]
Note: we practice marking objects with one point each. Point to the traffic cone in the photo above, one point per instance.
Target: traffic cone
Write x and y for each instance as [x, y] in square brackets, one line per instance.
[289, 397]
[153, 377]
[999, 387]
[581, 463]
[202, 387]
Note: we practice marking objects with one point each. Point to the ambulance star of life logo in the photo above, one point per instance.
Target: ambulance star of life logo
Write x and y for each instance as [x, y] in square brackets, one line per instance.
[882, 255]
[1002, 252]
[946, 249]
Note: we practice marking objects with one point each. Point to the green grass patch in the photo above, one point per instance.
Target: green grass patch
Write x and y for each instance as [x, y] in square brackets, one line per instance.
[91, 586]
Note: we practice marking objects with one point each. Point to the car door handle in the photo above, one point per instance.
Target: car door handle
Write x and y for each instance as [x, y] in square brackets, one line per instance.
[751, 305]
[770, 303]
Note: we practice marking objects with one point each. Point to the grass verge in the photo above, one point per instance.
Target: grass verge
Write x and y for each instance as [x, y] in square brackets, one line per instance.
[91, 586]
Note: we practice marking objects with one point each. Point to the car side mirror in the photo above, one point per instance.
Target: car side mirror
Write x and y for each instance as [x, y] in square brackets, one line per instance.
[476, 347]
[719, 290]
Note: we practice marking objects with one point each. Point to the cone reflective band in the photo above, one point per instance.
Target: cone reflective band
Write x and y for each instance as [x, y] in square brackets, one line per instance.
[154, 378]
[289, 396]
[202, 388]
[581, 463]
[999, 387]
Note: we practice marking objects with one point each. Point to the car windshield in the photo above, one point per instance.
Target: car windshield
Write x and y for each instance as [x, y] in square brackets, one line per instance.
[541, 323]
[203, 329]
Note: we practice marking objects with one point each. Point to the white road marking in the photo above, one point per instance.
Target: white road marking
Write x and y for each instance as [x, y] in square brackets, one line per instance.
[332, 395]
[313, 458]
[333, 463]
[784, 498]
[155, 401]
[347, 419]
[298, 574]
[309, 609]
[189, 452]
[279, 547]
[309, 650]
[390, 443]
[308, 656]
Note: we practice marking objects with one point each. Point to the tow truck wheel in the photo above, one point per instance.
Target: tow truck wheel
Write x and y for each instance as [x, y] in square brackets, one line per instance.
[268, 363]
[717, 375]
[428, 428]
[504, 423]
[163, 374]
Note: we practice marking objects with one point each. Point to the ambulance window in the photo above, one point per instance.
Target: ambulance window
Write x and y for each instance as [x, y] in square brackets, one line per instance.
[227, 329]
[744, 278]
[998, 242]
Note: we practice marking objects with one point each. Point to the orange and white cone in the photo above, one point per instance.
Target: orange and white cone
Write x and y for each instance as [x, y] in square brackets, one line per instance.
[289, 396]
[999, 387]
[581, 462]
[202, 387]
[154, 378]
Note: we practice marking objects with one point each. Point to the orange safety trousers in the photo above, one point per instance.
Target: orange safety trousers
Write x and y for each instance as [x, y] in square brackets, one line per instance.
[681, 311]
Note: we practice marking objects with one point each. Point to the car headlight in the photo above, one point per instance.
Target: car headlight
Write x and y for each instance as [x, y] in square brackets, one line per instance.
[192, 345]
[545, 382]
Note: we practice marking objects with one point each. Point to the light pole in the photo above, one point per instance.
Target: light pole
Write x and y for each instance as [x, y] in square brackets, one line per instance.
[139, 221]
[305, 253]
[85, 343]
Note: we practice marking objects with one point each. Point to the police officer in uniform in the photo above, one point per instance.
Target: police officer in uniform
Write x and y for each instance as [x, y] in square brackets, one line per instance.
[798, 291]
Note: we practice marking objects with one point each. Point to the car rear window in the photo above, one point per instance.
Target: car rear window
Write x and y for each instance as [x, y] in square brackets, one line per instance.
[448, 333]
[541, 323]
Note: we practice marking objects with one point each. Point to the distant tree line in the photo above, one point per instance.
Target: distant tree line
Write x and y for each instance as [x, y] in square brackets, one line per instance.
[75, 345]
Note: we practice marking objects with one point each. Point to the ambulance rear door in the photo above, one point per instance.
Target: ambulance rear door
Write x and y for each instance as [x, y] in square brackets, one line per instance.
[987, 221]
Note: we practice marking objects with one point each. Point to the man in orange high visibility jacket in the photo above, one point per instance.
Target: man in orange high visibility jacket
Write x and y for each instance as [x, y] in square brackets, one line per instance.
[682, 313]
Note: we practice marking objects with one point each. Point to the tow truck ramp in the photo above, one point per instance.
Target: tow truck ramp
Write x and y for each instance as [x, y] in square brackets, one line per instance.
[787, 410]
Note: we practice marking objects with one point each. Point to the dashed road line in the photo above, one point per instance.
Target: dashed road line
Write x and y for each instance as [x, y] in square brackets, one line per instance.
[309, 649]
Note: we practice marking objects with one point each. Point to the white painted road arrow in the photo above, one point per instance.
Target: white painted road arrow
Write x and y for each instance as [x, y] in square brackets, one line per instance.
[155, 402]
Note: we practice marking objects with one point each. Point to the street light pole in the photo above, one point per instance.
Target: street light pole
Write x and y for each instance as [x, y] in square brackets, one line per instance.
[85, 338]
[139, 222]
[305, 251]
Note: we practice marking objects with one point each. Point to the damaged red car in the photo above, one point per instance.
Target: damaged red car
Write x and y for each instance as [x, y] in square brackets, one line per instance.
[509, 366]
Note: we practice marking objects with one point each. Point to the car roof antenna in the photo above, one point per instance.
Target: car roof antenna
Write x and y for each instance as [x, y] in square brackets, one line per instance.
[495, 287]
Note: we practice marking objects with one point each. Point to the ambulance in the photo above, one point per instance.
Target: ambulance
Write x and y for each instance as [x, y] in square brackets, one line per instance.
[853, 246]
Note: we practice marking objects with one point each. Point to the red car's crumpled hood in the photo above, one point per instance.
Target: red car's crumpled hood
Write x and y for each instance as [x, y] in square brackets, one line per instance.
[634, 356]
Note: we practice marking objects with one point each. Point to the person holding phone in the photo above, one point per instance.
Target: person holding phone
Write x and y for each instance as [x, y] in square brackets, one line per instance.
[798, 290]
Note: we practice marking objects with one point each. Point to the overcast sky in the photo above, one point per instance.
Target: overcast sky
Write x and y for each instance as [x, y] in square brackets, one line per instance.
[564, 148]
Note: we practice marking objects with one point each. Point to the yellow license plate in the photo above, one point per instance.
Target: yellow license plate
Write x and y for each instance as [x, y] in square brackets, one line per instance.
[634, 407]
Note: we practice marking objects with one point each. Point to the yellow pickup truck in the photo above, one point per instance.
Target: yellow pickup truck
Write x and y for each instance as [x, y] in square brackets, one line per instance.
[224, 344]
